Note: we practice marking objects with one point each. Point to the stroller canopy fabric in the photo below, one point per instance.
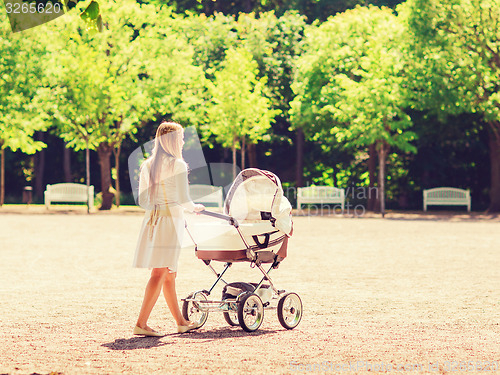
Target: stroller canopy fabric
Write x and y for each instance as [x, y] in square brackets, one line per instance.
[256, 195]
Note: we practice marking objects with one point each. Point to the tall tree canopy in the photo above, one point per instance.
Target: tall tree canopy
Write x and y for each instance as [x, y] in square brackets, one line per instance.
[349, 84]
[240, 111]
[456, 65]
[20, 74]
[275, 43]
[102, 85]
[93, 89]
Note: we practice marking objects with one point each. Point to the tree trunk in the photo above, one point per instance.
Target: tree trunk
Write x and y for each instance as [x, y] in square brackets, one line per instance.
[233, 148]
[87, 172]
[218, 7]
[67, 164]
[225, 156]
[104, 152]
[372, 171]
[39, 168]
[248, 9]
[299, 162]
[116, 152]
[2, 175]
[243, 153]
[252, 155]
[494, 143]
[206, 8]
[382, 155]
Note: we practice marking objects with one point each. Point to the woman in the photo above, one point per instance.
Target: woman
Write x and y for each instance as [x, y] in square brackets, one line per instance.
[163, 192]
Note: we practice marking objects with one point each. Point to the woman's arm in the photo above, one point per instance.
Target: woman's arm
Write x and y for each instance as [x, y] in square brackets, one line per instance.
[144, 198]
[182, 184]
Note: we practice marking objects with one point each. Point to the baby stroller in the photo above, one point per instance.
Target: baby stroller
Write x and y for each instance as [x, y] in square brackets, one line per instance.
[254, 228]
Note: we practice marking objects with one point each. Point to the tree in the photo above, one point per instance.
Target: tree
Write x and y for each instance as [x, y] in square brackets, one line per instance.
[210, 38]
[240, 111]
[175, 85]
[103, 85]
[455, 58]
[275, 43]
[349, 84]
[90, 77]
[19, 77]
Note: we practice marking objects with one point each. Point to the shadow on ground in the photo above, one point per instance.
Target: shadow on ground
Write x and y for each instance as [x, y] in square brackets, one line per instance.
[212, 335]
[226, 333]
[135, 343]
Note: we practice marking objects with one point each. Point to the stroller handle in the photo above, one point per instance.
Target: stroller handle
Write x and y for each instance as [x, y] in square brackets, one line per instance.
[230, 219]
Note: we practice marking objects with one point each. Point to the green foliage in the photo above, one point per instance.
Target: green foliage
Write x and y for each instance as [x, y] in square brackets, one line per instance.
[102, 86]
[240, 109]
[349, 85]
[210, 38]
[275, 44]
[349, 82]
[174, 85]
[355, 77]
[456, 58]
[20, 73]
[92, 18]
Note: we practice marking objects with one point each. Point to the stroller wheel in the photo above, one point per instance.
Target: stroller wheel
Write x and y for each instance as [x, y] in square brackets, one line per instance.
[250, 312]
[231, 317]
[193, 311]
[290, 310]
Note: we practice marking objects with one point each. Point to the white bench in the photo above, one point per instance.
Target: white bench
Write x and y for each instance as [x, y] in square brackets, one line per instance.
[68, 192]
[206, 194]
[321, 195]
[447, 196]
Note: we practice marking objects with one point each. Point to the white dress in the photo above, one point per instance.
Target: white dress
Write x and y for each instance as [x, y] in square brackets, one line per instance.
[160, 238]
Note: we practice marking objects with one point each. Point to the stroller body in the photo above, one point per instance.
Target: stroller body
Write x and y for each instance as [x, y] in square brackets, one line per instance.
[254, 228]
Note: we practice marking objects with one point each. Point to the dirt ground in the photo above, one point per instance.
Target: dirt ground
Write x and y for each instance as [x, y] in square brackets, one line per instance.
[411, 293]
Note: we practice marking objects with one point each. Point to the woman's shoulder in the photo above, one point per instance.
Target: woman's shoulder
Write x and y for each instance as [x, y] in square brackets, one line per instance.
[180, 165]
[146, 164]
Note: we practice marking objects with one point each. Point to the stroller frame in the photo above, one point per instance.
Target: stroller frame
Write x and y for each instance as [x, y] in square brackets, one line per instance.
[247, 304]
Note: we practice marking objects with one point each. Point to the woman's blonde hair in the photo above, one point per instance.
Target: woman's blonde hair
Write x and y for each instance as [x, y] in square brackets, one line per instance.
[168, 142]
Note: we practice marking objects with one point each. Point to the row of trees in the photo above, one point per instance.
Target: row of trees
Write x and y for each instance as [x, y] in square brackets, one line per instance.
[93, 89]
[353, 84]
[364, 71]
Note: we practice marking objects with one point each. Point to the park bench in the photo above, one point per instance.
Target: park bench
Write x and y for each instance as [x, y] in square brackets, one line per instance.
[68, 192]
[447, 196]
[321, 195]
[206, 194]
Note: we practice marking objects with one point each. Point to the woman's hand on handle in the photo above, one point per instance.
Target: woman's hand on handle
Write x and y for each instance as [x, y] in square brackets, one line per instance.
[198, 208]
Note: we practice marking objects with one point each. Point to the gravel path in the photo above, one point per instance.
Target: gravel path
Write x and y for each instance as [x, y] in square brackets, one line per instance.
[413, 293]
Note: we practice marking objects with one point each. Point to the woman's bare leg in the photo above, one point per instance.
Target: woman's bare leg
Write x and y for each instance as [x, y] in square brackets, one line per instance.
[151, 294]
[171, 298]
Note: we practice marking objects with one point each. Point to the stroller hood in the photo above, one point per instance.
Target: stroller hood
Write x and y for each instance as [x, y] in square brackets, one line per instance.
[256, 195]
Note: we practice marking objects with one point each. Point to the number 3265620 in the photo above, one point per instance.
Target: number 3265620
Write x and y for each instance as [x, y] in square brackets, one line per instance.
[32, 8]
